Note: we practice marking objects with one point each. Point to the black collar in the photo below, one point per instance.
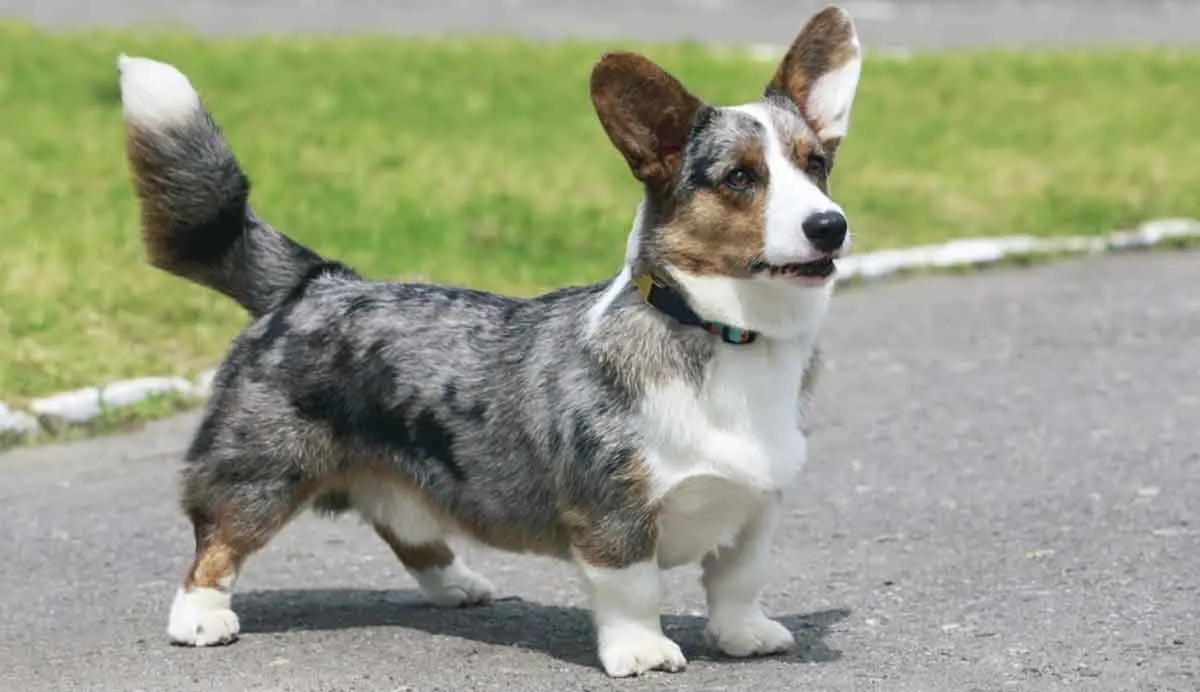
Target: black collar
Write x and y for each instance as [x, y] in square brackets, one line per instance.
[668, 301]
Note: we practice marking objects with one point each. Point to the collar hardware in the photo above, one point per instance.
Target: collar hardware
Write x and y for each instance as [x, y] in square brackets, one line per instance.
[668, 301]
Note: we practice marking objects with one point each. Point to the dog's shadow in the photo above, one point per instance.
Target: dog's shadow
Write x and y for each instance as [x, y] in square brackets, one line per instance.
[561, 632]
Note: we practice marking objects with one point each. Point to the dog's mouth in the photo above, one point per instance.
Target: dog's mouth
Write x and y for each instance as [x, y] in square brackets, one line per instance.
[814, 271]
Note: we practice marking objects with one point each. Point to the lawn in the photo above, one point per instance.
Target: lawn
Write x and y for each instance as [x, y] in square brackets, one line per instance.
[481, 163]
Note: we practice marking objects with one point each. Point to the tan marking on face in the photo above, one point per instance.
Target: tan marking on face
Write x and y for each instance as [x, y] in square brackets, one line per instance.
[799, 148]
[718, 231]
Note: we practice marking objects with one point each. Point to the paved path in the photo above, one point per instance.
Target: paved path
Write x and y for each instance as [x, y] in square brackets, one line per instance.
[883, 23]
[1002, 495]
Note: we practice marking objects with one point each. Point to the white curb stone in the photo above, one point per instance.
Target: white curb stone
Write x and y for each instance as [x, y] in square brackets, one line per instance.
[128, 392]
[1155, 232]
[83, 405]
[956, 253]
[17, 423]
[978, 251]
[76, 406]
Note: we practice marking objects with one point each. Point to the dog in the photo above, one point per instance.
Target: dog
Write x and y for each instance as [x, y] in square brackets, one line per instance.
[629, 426]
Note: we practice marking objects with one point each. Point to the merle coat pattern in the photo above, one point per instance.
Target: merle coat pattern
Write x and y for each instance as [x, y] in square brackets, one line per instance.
[582, 424]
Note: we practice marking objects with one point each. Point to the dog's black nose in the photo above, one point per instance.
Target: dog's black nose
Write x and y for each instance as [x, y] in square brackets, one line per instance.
[826, 230]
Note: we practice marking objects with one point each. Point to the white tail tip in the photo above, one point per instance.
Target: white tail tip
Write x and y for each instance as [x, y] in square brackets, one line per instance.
[155, 94]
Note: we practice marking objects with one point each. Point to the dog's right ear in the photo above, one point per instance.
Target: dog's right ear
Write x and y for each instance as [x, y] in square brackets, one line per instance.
[646, 113]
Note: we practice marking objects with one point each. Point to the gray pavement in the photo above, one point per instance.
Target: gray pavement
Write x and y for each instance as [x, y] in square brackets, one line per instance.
[1003, 494]
[882, 23]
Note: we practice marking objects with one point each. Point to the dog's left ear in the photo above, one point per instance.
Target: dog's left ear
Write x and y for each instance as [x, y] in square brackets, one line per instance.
[820, 73]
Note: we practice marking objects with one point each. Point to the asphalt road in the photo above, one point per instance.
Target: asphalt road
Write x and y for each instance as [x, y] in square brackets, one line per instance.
[1002, 495]
[882, 23]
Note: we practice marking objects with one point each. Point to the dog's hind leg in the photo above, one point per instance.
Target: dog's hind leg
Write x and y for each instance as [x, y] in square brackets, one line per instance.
[232, 519]
[416, 533]
[440, 573]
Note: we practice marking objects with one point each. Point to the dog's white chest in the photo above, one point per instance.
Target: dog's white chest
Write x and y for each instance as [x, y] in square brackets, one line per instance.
[717, 454]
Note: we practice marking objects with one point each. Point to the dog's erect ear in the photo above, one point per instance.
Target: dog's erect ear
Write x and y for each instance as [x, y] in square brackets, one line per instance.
[646, 113]
[820, 73]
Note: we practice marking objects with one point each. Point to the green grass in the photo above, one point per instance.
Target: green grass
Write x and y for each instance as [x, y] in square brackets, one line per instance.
[481, 163]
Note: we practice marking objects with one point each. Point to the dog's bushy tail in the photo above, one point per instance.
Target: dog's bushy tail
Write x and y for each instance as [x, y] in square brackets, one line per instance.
[195, 213]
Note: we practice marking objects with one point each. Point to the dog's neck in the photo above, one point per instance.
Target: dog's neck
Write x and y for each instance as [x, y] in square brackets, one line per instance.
[773, 309]
[659, 295]
[768, 310]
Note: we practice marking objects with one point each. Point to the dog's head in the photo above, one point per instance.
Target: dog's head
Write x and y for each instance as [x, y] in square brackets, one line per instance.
[737, 212]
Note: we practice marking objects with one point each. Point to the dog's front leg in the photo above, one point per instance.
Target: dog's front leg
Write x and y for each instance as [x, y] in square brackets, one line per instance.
[733, 580]
[626, 604]
[614, 547]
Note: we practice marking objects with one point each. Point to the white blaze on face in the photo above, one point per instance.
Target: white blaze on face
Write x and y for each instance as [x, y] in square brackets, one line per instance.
[791, 197]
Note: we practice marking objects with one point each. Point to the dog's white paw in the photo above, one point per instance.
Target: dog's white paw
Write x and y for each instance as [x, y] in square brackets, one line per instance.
[454, 586]
[202, 617]
[634, 651]
[755, 635]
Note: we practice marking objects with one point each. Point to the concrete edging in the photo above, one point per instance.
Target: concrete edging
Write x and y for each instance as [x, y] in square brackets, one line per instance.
[82, 406]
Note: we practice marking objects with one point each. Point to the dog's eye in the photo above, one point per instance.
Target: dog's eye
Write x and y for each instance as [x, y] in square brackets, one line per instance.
[739, 179]
[816, 166]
